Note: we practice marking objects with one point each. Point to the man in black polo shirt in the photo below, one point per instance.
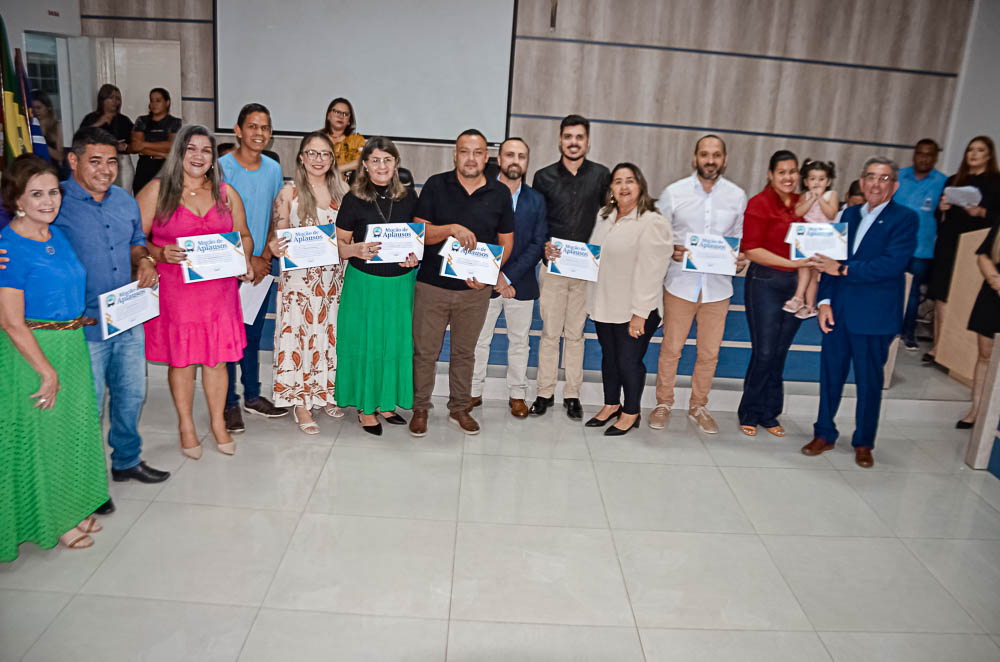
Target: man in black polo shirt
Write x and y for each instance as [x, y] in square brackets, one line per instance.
[471, 207]
[574, 190]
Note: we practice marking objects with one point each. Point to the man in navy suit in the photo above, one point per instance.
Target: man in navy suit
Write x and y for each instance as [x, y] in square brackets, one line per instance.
[517, 289]
[861, 307]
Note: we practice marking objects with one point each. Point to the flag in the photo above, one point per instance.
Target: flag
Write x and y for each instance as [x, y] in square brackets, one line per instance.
[16, 134]
[38, 144]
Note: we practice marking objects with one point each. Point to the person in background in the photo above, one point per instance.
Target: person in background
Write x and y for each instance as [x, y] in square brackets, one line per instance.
[984, 320]
[375, 320]
[861, 308]
[305, 328]
[818, 204]
[152, 136]
[225, 148]
[41, 106]
[920, 187]
[854, 196]
[517, 289]
[52, 473]
[108, 116]
[770, 281]
[258, 180]
[574, 189]
[200, 323]
[703, 203]
[636, 244]
[978, 169]
[341, 124]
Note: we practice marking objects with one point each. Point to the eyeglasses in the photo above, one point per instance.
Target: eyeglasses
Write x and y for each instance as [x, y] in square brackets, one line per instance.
[318, 156]
[872, 177]
[341, 113]
[388, 160]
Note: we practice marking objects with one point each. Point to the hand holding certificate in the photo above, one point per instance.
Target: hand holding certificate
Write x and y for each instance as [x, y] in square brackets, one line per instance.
[128, 306]
[397, 241]
[711, 253]
[482, 263]
[309, 246]
[576, 259]
[963, 196]
[808, 239]
[212, 256]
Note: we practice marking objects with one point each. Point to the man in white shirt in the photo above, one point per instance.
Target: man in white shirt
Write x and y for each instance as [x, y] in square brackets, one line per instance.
[703, 203]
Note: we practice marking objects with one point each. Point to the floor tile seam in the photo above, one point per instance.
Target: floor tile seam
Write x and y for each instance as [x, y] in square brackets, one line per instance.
[166, 600]
[201, 504]
[147, 506]
[454, 551]
[48, 625]
[398, 450]
[868, 504]
[359, 614]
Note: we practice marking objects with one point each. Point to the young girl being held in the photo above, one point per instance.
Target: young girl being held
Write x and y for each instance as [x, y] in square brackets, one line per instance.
[817, 205]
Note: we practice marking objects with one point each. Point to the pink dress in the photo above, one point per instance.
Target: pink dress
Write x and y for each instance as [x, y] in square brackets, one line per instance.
[198, 322]
[815, 213]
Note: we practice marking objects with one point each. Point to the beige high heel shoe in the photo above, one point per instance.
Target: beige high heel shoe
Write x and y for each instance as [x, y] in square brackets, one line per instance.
[194, 452]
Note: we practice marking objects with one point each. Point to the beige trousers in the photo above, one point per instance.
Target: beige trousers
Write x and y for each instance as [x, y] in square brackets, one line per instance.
[677, 317]
[563, 309]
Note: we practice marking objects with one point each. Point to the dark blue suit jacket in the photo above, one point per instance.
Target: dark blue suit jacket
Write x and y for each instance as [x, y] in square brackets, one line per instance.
[869, 299]
[530, 230]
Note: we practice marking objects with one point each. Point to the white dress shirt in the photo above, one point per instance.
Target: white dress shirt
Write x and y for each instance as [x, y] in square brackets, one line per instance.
[689, 209]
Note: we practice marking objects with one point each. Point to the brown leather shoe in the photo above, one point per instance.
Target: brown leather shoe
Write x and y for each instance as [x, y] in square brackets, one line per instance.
[816, 447]
[476, 401]
[518, 408]
[461, 419]
[863, 457]
[418, 424]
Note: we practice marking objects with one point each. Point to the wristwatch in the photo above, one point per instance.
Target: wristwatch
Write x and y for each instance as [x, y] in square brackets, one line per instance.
[842, 270]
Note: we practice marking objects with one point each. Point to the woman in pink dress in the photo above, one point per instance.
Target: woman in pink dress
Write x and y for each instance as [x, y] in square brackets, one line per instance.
[200, 323]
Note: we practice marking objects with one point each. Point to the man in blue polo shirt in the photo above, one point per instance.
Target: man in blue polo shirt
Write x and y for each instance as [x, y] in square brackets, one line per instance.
[920, 188]
[257, 178]
[103, 225]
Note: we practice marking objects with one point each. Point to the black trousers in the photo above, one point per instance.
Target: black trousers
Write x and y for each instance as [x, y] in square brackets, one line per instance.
[622, 369]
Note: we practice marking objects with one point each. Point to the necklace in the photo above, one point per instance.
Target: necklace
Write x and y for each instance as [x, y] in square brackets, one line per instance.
[385, 219]
[195, 190]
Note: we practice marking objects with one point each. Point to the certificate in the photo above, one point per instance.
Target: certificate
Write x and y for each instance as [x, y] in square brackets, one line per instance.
[398, 241]
[481, 263]
[309, 246]
[808, 239]
[962, 196]
[212, 256]
[578, 259]
[711, 253]
[252, 297]
[128, 306]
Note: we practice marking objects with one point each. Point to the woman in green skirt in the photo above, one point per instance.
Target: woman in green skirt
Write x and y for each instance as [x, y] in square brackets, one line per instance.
[52, 473]
[375, 320]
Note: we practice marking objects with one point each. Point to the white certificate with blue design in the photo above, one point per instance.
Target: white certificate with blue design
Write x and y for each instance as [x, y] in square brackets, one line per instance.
[482, 262]
[578, 260]
[711, 253]
[398, 241]
[808, 239]
[309, 246]
[212, 256]
[128, 306]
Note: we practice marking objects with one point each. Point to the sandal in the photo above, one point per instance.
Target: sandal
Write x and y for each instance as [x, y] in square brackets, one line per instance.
[90, 525]
[776, 430]
[309, 427]
[749, 430]
[333, 411]
[805, 312]
[793, 305]
[76, 539]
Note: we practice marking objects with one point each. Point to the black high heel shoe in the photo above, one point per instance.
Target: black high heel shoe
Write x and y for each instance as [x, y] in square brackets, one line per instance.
[600, 423]
[964, 425]
[392, 418]
[371, 429]
[617, 432]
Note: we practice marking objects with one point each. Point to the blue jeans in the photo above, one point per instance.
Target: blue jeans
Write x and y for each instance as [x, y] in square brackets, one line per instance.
[119, 365]
[920, 267]
[250, 363]
[771, 334]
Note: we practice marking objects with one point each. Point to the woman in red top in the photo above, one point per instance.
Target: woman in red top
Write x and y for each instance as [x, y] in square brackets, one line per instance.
[770, 281]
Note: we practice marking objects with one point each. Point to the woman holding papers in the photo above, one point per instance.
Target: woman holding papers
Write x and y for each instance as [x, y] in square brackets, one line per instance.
[636, 245]
[978, 170]
[375, 352]
[305, 331]
[200, 322]
[770, 281]
[52, 474]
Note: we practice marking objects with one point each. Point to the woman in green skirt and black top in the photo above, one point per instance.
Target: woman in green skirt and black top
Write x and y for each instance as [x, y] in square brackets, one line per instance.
[375, 320]
[52, 473]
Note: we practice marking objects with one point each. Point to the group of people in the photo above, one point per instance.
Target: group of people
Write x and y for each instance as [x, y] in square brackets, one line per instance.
[367, 335]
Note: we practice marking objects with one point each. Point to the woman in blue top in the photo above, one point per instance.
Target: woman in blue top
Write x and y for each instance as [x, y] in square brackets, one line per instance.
[52, 473]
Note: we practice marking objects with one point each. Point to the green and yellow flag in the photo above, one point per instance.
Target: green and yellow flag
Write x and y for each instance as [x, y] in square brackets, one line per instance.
[16, 134]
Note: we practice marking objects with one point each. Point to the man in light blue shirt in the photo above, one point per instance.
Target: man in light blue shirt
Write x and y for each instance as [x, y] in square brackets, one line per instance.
[920, 188]
[257, 178]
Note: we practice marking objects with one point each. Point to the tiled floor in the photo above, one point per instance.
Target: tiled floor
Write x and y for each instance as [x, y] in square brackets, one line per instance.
[535, 540]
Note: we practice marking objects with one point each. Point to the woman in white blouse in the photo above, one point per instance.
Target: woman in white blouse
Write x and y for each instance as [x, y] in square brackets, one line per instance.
[636, 245]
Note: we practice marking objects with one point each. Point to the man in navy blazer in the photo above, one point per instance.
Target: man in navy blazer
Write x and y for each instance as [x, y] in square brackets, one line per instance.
[861, 307]
[517, 289]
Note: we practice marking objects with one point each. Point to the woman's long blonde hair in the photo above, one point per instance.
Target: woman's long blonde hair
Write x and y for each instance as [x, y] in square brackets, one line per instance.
[334, 181]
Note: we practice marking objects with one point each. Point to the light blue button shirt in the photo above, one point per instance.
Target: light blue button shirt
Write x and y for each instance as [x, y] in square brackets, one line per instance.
[868, 217]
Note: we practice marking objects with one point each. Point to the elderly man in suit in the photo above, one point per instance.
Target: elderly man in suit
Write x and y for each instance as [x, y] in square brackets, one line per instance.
[861, 306]
[517, 289]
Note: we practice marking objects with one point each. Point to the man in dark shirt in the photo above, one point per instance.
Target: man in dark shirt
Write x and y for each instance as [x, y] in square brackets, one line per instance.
[466, 205]
[574, 190]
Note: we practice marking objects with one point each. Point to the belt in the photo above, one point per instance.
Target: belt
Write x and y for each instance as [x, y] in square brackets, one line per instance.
[71, 325]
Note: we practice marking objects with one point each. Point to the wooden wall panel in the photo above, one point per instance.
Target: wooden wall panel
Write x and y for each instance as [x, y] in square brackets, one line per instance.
[188, 9]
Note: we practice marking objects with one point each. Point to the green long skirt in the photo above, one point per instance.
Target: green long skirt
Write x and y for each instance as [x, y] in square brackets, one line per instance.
[52, 472]
[375, 342]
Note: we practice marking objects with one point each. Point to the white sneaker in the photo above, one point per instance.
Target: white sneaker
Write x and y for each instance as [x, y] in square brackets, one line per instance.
[659, 418]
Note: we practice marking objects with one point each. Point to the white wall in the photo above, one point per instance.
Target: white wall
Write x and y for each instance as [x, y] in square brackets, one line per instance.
[58, 17]
[977, 102]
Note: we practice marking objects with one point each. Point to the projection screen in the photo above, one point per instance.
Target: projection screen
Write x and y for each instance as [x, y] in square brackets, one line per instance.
[414, 70]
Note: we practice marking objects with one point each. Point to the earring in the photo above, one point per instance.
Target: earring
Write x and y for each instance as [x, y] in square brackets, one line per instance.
[21, 212]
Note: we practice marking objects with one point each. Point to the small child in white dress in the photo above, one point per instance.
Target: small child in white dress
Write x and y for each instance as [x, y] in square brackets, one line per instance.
[817, 205]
